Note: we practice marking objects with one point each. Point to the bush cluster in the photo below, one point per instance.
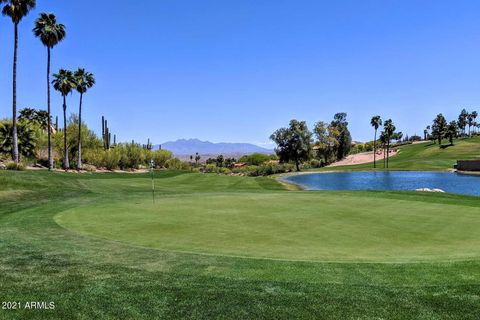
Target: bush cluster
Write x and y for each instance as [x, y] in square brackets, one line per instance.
[129, 156]
[264, 170]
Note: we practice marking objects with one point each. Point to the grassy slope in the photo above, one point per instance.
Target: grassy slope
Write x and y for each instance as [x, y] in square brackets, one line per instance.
[427, 156]
[92, 278]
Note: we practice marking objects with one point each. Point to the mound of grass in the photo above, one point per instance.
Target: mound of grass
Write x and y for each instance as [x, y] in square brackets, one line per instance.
[427, 156]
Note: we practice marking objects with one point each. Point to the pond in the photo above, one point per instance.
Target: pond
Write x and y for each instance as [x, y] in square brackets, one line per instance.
[392, 180]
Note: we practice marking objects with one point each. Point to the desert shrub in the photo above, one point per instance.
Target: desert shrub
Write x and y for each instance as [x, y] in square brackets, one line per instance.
[210, 168]
[256, 159]
[89, 168]
[15, 167]
[94, 157]
[177, 164]
[244, 170]
[160, 157]
[111, 159]
[135, 156]
[224, 170]
[265, 170]
[315, 163]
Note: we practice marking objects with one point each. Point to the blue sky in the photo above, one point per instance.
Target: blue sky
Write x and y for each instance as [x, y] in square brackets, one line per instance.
[237, 70]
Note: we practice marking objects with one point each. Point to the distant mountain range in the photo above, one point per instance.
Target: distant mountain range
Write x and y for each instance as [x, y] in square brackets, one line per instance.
[184, 147]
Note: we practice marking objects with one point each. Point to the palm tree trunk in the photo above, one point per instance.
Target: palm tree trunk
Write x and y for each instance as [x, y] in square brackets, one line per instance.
[388, 152]
[66, 163]
[14, 100]
[384, 162]
[375, 150]
[79, 161]
[49, 126]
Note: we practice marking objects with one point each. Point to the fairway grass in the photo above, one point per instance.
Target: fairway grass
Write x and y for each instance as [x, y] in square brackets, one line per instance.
[115, 255]
[301, 226]
[426, 156]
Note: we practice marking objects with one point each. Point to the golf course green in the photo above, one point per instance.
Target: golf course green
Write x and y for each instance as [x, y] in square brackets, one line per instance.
[300, 226]
[214, 246]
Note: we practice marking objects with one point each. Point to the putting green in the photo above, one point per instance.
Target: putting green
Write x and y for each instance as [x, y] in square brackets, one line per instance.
[315, 226]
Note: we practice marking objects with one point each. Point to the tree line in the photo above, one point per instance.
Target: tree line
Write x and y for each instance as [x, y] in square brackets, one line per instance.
[388, 134]
[327, 143]
[442, 129]
[50, 33]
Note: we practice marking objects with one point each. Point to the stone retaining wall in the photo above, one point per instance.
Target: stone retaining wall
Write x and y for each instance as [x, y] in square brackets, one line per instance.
[468, 165]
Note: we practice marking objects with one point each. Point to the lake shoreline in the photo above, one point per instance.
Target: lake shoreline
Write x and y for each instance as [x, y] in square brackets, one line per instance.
[399, 180]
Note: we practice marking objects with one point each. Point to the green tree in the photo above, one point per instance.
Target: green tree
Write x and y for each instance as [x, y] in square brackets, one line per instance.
[451, 131]
[197, 158]
[90, 141]
[293, 143]
[84, 80]
[38, 117]
[344, 137]
[161, 157]
[462, 121]
[376, 122]
[220, 161]
[383, 140]
[473, 117]
[27, 138]
[389, 132]
[439, 128]
[50, 34]
[64, 82]
[326, 144]
[16, 10]
[470, 120]
[398, 136]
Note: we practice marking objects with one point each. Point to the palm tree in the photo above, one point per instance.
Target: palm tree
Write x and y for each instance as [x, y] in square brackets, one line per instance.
[64, 82]
[474, 116]
[451, 132]
[426, 132]
[389, 129]
[50, 33]
[376, 122]
[383, 140]
[16, 10]
[470, 120]
[84, 80]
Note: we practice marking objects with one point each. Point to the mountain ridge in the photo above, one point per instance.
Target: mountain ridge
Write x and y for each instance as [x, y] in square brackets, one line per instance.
[183, 147]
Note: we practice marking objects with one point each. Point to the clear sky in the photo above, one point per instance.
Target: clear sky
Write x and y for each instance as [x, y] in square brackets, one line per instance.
[236, 70]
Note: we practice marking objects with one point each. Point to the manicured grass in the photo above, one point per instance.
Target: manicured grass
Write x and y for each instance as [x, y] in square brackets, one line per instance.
[300, 226]
[89, 277]
[427, 156]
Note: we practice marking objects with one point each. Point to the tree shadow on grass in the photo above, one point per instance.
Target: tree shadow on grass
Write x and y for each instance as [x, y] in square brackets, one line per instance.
[445, 146]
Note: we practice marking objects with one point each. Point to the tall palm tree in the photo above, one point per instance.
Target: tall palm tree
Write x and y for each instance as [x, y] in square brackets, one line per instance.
[64, 82]
[50, 33]
[84, 80]
[16, 10]
[389, 129]
[376, 122]
[383, 141]
[474, 115]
